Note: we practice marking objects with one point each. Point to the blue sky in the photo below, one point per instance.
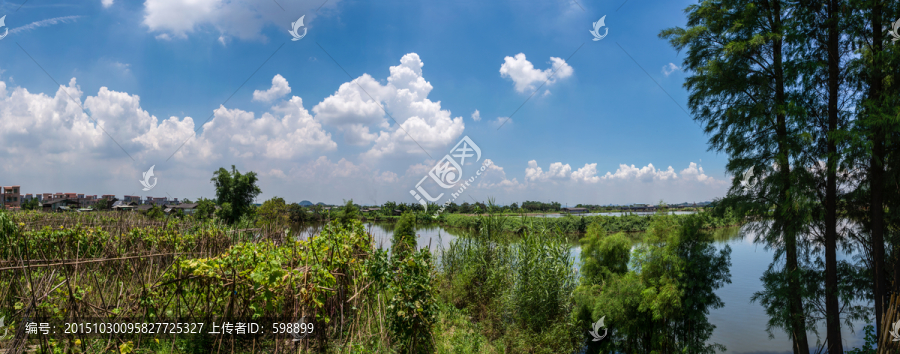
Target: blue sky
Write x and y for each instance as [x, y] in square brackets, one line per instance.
[600, 130]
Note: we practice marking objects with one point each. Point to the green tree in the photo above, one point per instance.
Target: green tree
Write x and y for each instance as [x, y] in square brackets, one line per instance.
[348, 213]
[105, 204]
[155, 212]
[743, 84]
[662, 303]
[298, 214]
[235, 192]
[205, 209]
[602, 255]
[32, 204]
[825, 51]
[404, 238]
[412, 307]
[875, 136]
[273, 212]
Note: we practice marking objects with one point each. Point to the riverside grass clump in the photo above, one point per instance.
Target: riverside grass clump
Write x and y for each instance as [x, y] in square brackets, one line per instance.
[112, 267]
[507, 293]
[573, 225]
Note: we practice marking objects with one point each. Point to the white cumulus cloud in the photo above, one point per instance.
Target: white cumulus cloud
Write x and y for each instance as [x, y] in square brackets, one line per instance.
[527, 78]
[279, 88]
[476, 116]
[646, 173]
[358, 110]
[587, 174]
[695, 172]
[557, 171]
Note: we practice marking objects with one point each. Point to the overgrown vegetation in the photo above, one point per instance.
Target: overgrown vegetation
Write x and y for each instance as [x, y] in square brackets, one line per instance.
[490, 290]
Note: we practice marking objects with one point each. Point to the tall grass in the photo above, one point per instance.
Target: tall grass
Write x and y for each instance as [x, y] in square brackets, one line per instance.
[517, 288]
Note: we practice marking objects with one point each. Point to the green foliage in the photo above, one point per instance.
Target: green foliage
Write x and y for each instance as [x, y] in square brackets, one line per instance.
[855, 289]
[602, 254]
[205, 209]
[156, 212]
[298, 214]
[412, 308]
[8, 233]
[571, 224]
[660, 304]
[273, 212]
[236, 191]
[103, 204]
[870, 344]
[348, 213]
[456, 333]
[540, 206]
[177, 213]
[404, 239]
[31, 204]
[518, 289]
[543, 279]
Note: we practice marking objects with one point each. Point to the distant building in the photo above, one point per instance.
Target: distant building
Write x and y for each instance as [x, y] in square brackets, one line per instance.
[187, 208]
[132, 199]
[144, 207]
[108, 197]
[12, 197]
[87, 201]
[59, 204]
[120, 205]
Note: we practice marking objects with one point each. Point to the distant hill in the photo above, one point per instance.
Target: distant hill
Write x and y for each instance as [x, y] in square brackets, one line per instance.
[320, 203]
[306, 203]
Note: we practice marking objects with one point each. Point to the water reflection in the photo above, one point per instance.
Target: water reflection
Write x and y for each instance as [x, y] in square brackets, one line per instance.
[741, 324]
[382, 233]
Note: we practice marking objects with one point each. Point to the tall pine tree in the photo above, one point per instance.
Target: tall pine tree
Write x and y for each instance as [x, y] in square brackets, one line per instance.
[743, 88]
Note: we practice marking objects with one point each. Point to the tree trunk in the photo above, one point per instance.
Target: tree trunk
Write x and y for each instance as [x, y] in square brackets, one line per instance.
[876, 170]
[786, 208]
[832, 308]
